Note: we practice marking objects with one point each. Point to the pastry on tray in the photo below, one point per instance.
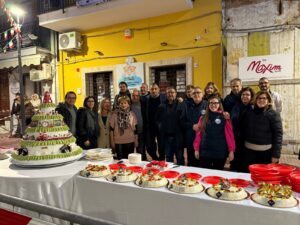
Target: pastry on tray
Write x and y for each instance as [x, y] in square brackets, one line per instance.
[95, 171]
[122, 175]
[224, 190]
[274, 195]
[185, 185]
[151, 180]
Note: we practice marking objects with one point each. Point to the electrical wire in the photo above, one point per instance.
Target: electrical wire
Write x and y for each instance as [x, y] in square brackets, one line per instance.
[157, 26]
[139, 54]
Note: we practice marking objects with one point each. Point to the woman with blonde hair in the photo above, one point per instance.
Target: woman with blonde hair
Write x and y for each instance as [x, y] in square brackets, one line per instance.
[103, 120]
[262, 131]
[210, 89]
[35, 101]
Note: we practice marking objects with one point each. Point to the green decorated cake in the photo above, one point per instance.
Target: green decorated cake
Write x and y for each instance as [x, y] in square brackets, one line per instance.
[47, 140]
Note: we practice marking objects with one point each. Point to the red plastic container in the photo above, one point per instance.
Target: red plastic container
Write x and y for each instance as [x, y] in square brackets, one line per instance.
[170, 174]
[195, 176]
[117, 166]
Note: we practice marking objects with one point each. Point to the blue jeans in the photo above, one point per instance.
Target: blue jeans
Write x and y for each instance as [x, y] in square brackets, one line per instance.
[172, 146]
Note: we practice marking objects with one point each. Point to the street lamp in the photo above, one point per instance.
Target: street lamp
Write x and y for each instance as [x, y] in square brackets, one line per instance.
[18, 12]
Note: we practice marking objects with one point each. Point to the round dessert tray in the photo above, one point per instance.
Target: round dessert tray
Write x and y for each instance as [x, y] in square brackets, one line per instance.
[233, 200]
[170, 189]
[267, 205]
[46, 163]
[136, 182]
[110, 178]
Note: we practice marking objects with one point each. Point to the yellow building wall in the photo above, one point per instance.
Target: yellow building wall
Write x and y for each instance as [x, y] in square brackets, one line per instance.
[179, 30]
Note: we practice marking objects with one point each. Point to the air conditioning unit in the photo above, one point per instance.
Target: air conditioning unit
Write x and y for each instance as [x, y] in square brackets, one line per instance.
[70, 41]
[44, 74]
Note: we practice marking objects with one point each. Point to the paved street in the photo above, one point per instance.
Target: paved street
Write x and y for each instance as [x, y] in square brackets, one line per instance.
[14, 142]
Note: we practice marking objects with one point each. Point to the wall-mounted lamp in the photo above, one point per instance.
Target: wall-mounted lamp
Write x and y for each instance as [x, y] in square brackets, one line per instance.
[130, 60]
[163, 44]
[99, 53]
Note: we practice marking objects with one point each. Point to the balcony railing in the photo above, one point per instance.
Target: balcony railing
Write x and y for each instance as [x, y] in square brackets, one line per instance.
[46, 6]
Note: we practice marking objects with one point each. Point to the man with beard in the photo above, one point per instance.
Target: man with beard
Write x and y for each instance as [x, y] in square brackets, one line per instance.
[264, 85]
[234, 96]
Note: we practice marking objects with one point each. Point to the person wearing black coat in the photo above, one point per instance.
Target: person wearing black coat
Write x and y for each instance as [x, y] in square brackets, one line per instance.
[241, 107]
[123, 92]
[234, 96]
[192, 112]
[262, 131]
[87, 127]
[168, 120]
[68, 110]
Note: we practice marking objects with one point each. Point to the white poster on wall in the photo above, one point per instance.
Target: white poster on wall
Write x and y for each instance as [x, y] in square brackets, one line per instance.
[132, 74]
[274, 67]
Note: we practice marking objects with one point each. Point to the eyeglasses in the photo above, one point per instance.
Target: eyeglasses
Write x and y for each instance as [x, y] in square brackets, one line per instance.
[246, 94]
[262, 98]
[214, 103]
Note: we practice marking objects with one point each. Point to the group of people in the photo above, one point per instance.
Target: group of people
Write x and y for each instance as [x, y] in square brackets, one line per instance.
[244, 127]
[31, 106]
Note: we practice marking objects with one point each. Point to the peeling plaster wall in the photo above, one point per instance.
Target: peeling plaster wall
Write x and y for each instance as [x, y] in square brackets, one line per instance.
[239, 15]
[245, 14]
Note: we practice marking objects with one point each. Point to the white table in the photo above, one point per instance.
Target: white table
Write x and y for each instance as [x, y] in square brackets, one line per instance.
[130, 204]
[49, 186]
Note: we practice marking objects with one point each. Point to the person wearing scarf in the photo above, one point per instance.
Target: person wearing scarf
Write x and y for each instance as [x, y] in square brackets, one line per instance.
[123, 126]
[87, 127]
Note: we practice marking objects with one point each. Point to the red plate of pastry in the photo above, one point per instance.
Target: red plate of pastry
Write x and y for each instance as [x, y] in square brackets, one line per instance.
[212, 179]
[116, 166]
[153, 170]
[157, 164]
[195, 176]
[169, 174]
[240, 182]
[136, 169]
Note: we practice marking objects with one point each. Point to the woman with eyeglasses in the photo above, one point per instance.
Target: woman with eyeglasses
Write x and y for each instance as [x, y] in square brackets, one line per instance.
[87, 127]
[262, 132]
[243, 105]
[215, 140]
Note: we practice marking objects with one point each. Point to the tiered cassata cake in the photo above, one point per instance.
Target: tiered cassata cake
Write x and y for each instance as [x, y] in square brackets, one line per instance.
[151, 180]
[47, 140]
[275, 195]
[186, 185]
[95, 171]
[122, 175]
[226, 191]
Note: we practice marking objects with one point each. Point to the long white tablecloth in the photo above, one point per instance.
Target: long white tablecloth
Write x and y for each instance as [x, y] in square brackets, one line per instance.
[130, 204]
[49, 186]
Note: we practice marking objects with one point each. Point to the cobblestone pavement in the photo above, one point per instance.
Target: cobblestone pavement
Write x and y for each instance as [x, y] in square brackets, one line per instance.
[15, 142]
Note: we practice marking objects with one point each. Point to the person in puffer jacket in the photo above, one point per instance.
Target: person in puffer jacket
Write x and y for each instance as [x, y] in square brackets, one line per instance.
[262, 131]
[214, 142]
